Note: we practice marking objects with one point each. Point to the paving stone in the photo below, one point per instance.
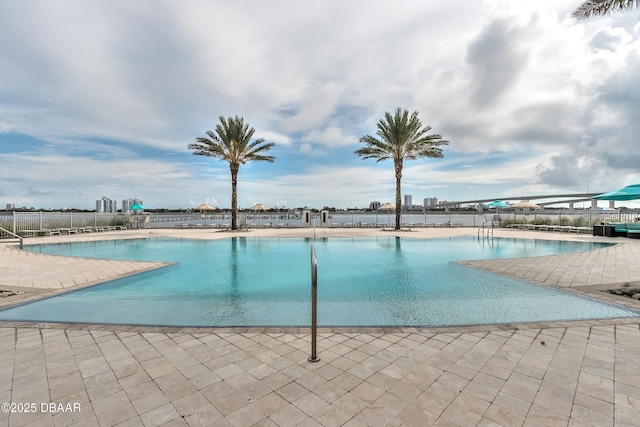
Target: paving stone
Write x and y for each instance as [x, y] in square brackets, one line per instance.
[149, 402]
[175, 386]
[248, 415]
[113, 409]
[310, 404]
[206, 415]
[292, 392]
[160, 415]
[350, 404]
[289, 416]
[497, 415]
[367, 392]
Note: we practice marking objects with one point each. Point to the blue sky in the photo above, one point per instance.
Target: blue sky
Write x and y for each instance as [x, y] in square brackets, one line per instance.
[102, 98]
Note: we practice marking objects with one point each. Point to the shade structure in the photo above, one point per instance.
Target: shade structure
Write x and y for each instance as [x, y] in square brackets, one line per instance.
[525, 204]
[630, 192]
[497, 204]
[387, 207]
[258, 207]
[204, 207]
[136, 207]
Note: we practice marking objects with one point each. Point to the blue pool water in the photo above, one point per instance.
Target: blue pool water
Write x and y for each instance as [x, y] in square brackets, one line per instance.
[383, 281]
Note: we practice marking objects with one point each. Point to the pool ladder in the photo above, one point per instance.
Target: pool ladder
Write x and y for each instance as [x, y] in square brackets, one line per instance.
[485, 231]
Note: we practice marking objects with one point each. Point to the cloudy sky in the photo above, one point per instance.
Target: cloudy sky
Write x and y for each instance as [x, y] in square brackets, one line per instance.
[102, 98]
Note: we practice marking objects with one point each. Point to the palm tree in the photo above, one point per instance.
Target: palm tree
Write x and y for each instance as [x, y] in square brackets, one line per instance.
[401, 137]
[602, 7]
[231, 142]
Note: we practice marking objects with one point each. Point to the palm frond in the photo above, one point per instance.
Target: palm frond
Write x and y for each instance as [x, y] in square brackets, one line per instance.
[374, 149]
[401, 136]
[592, 8]
[254, 150]
[231, 142]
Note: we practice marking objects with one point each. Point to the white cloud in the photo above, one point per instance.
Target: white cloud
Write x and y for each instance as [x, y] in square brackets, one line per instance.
[331, 136]
[275, 137]
[611, 39]
[318, 106]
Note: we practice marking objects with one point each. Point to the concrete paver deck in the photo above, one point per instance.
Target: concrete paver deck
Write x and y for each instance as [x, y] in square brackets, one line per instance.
[582, 373]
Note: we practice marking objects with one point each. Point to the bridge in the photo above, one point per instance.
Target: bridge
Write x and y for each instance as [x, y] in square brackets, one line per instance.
[565, 198]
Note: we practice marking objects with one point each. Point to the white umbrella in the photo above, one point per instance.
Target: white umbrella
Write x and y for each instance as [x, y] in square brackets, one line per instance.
[204, 207]
[525, 204]
[258, 207]
[388, 207]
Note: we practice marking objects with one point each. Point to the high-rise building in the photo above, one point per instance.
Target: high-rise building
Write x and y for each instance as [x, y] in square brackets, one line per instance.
[429, 201]
[408, 201]
[106, 205]
[127, 203]
[10, 206]
[375, 205]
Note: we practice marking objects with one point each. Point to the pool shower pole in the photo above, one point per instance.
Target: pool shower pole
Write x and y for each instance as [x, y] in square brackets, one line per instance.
[314, 304]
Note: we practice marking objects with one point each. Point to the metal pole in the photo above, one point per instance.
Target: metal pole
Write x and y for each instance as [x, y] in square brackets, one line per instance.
[314, 304]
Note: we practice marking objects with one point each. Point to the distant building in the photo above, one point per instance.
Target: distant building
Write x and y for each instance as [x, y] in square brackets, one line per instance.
[106, 205]
[452, 205]
[127, 203]
[429, 202]
[408, 201]
[10, 206]
[375, 205]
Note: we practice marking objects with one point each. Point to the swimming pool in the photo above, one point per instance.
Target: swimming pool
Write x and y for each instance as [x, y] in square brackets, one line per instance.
[385, 281]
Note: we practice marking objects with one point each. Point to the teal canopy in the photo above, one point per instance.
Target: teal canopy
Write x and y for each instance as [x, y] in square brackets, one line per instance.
[630, 192]
[136, 207]
[497, 204]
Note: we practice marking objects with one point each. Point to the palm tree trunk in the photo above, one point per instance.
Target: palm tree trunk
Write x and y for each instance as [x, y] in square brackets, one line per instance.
[234, 195]
[398, 168]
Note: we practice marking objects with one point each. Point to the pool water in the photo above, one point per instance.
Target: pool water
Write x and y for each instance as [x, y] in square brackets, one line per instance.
[385, 281]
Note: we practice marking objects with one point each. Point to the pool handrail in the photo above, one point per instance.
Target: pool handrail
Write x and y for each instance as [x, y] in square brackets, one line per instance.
[14, 235]
[314, 304]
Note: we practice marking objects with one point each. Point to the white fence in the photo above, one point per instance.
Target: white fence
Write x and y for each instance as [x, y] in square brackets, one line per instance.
[19, 221]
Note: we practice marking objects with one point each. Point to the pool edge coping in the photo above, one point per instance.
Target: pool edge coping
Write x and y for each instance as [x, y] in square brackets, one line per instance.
[304, 330]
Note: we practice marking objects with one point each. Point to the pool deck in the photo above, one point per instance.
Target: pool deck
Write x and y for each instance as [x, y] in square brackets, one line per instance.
[582, 373]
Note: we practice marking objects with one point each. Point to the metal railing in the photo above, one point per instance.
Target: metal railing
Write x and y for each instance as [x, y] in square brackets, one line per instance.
[6, 234]
[20, 221]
